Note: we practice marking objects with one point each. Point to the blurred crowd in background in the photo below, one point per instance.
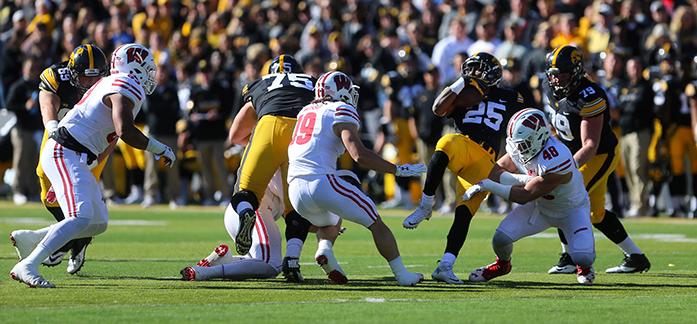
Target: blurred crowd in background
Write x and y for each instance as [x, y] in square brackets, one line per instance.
[401, 53]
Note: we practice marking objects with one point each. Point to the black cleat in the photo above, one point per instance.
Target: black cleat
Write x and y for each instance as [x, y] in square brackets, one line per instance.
[291, 270]
[243, 240]
[564, 266]
[633, 263]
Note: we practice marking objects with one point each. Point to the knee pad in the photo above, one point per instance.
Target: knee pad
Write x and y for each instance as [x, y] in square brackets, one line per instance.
[245, 195]
[296, 226]
[501, 239]
[583, 259]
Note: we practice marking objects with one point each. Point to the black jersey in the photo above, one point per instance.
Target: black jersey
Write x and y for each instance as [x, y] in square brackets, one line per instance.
[280, 94]
[56, 79]
[486, 123]
[588, 100]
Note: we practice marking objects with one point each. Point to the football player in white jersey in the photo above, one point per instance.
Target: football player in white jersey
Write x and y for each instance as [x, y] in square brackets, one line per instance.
[327, 128]
[264, 257]
[549, 187]
[103, 115]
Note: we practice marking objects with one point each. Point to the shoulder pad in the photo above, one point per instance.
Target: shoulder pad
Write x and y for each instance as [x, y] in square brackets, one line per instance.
[49, 80]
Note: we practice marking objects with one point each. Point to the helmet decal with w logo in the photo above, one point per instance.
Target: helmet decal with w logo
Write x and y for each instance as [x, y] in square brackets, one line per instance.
[342, 81]
[135, 54]
[533, 122]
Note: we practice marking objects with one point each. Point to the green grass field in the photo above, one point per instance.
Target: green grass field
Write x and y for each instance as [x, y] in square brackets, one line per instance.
[132, 274]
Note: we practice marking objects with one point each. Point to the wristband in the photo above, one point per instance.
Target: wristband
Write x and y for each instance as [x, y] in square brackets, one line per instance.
[501, 190]
[155, 147]
[51, 125]
[457, 86]
[514, 179]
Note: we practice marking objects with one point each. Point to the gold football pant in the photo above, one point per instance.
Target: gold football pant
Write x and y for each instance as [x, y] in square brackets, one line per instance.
[470, 162]
[680, 144]
[267, 151]
[595, 175]
[46, 184]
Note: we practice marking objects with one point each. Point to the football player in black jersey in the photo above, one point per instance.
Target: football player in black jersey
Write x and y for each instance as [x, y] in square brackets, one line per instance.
[270, 109]
[62, 85]
[581, 119]
[480, 111]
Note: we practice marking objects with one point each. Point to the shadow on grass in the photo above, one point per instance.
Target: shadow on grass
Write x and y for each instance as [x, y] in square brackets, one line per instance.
[576, 286]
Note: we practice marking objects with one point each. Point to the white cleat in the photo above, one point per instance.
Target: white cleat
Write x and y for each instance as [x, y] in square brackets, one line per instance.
[444, 273]
[24, 242]
[326, 260]
[76, 262]
[585, 276]
[418, 216]
[409, 279]
[220, 255]
[22, 273]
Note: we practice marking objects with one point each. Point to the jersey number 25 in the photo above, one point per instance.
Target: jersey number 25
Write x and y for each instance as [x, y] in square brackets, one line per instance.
[487, 113]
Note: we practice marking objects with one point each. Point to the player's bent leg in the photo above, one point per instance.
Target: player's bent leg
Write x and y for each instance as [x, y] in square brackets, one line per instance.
[325, 255]
[239, 269]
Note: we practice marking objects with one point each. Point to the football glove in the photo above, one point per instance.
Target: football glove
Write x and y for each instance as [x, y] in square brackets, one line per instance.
[410, 170]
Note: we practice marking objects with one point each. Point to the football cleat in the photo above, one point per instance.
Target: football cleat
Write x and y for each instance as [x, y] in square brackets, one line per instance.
[22, 273]
[24, 242]
[221, 255]
[291, 270]
[444, 273]
[564, 266]
[585, 276]
[496, 269]
[188, 274]
[243, 240]
[77, 260]
[418, 216]
[326, 260]
[54, 259]
[409, 278]
[632, 263]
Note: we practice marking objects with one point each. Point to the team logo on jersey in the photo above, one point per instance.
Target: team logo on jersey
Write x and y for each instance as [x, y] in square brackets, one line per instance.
[136, 54]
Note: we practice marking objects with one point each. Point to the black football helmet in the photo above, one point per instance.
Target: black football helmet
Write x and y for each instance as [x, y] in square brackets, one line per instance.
[284, 64]
[565, 59]
[484, 68]
[86, 60]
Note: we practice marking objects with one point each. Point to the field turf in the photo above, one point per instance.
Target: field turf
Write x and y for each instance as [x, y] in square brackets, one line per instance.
[132, 275]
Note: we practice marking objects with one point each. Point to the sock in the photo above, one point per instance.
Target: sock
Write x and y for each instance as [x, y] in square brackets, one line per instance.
[397, 266]
[436, 170]
[458, 230]
[448, 258]
[564, 248]
[562, 238]
[58, 234]
[503, 246]
[628, 246]
[57, 213]
[427, 201]
[612, 228]
[294, 246]
[324, 245]
[242, 206]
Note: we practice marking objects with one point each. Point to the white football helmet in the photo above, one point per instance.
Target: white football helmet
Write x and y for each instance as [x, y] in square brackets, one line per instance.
[527, 133]
[337, 86]
[137, 61]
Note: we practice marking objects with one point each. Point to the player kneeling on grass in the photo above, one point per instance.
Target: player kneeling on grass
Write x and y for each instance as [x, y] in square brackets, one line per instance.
[325, 129]
[550, 191]
[103, 115]
[264, 258]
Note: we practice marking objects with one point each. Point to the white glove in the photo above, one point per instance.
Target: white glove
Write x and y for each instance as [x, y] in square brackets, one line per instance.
[410, 170]
[473, 190]
[94, 164]
[51, 126]
[161, 150]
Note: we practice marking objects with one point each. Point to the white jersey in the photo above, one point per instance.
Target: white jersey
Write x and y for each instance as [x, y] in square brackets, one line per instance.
[315, 147]
[90, 121]
[555, 157]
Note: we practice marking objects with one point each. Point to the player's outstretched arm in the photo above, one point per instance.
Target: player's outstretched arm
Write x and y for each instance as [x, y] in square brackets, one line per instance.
[533, 189]
[49, 104]
[365, 157]
[242, 125]
[122, 115]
